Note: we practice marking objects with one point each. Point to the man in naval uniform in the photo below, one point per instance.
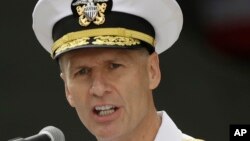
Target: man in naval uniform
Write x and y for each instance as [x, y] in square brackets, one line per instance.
[108, 56]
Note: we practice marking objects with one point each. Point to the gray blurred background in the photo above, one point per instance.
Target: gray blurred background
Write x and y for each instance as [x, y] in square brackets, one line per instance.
[205, 83]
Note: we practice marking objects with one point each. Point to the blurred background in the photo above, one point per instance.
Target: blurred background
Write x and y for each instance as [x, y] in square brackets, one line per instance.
[205, 83]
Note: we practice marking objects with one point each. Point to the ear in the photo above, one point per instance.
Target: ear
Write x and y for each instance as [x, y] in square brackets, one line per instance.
[154, 71]
[67, 92]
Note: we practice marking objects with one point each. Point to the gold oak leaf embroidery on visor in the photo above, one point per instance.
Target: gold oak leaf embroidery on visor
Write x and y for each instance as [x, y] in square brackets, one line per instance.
[115, 40]
[99, 40]
[73, 44]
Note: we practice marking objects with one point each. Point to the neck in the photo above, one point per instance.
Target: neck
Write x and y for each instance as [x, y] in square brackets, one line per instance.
[148, 129]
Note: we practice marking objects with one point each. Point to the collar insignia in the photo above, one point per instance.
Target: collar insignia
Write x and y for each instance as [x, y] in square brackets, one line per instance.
[90, 11]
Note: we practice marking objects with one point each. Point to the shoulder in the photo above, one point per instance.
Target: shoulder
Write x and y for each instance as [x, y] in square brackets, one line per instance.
[169, 131]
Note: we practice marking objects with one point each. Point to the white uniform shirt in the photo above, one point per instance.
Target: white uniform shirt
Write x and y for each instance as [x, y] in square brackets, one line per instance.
[168, 131]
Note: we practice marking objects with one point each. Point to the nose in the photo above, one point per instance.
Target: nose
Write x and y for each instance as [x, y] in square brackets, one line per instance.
[100, 85]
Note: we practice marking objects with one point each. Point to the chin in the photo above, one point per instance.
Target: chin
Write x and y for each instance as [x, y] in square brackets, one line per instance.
[107, 134]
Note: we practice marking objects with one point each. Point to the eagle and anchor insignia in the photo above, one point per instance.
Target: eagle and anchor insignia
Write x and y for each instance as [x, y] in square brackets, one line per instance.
[90, 11]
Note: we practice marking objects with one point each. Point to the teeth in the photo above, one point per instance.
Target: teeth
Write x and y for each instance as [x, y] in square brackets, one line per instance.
[102, 108]
[105, 110]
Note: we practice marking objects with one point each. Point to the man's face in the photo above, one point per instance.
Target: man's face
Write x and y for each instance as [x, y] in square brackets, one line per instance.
[111, 89]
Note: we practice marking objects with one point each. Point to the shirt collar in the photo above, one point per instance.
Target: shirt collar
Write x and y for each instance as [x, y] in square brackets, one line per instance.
[168, 131]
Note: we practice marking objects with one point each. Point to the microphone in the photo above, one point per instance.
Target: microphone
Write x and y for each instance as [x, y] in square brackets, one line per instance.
[49, 133]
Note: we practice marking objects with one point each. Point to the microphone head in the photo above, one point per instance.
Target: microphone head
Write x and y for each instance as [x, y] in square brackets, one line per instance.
[54, 133]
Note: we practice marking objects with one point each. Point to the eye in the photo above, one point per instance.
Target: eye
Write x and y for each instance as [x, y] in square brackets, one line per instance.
[83, 71]
[114, 65]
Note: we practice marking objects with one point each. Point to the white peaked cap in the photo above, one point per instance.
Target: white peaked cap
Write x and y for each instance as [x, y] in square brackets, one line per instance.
[165, 16]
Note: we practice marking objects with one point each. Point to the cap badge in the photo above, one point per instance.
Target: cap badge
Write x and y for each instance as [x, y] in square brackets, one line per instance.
[90, 11]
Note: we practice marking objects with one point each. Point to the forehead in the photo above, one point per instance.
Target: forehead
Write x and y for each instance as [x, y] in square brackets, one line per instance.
[102, 54]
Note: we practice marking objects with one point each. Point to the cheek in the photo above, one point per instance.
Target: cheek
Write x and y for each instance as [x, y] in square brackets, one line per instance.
[135, 90]
[79, 93]
[135, 97]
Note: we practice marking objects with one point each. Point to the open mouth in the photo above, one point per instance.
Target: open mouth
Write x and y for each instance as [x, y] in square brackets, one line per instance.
[104, 110]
